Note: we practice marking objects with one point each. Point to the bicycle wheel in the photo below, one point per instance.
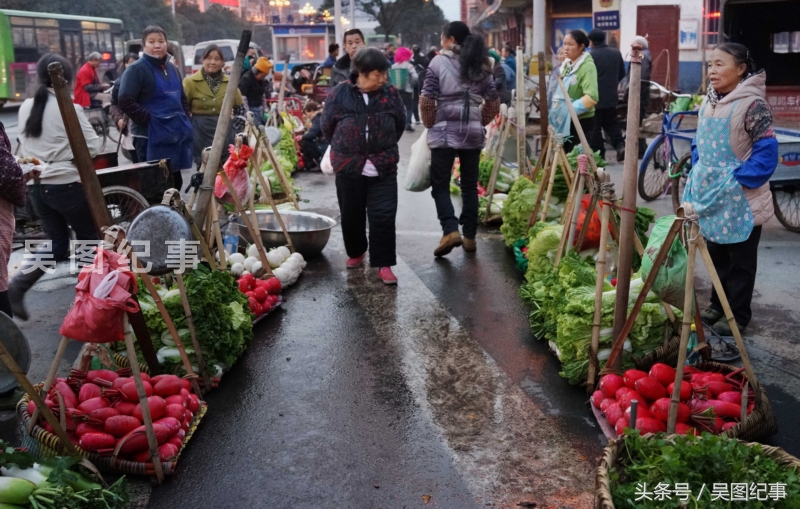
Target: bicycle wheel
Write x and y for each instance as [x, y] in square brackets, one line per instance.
[681, 173]
[124, 204]
[655, 177]
[787, 207]
[101, 131]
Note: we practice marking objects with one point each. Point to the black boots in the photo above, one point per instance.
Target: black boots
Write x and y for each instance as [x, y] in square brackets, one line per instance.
[18, 287]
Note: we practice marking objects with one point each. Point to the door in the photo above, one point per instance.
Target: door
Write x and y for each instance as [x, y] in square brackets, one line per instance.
[72, 48]
[659, 24]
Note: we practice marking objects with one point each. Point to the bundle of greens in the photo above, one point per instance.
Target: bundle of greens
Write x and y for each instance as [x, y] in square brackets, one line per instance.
[485, 172]
[644, 463]
[54, 483]
[286, 148]
[272, 177]
[542, 244]
[517, 210]
[220, 315]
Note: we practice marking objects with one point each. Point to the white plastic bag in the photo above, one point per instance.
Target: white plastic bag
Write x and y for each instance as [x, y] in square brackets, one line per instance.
[418, 177]
[326, 166]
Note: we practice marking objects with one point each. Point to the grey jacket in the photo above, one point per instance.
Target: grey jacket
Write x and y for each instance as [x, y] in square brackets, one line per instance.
[340, 72]
[456, 126]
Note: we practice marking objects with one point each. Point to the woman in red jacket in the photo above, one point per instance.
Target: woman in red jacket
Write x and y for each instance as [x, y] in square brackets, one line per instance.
[88, 86]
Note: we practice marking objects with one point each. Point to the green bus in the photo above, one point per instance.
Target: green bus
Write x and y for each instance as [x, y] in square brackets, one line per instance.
[26, 36]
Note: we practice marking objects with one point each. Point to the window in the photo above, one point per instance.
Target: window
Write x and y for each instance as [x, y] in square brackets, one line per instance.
[794, 43]
[712, 23]
[23, 37]
[119, 50]
[313, 47]
[47, 40]
[104, 41]
[88, 25]
[17, 21]
[780, 42]
[288, 46]
[47, 23]
[89, 42]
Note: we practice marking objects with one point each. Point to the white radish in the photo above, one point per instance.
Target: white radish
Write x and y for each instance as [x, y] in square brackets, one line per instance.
[284, 252]
[274, 259]
[282, 274]
[237, 268]
[252, 250]
[236, 258]
[248, 263]
[256, 267]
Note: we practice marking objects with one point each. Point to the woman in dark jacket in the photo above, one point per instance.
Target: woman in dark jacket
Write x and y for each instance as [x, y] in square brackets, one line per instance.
[460, 75]
[151, 94]
[117, 116]
[499, 75]
[12, 193]
[364, 118]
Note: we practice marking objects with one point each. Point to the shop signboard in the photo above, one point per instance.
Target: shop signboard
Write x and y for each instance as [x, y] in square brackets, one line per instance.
[562, 26]
[606, 14]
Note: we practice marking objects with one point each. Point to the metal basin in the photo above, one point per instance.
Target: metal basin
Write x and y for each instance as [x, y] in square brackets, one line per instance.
[309, 231]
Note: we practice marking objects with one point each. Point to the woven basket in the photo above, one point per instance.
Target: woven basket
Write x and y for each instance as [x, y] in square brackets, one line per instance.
[43, 444]
[603, 498]
[399, 78]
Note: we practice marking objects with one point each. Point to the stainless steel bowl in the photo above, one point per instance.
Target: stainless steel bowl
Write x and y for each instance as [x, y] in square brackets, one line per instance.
[309, 231]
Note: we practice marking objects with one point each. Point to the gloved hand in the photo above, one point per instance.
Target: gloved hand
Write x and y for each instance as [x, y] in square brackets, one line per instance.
[580, 109]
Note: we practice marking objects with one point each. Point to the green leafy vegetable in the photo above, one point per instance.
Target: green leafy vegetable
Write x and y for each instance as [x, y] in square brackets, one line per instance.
[286, 148]
[517, 210]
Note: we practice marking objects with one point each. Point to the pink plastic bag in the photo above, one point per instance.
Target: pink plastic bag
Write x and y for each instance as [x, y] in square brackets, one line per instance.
[236, 169]
[99, 320]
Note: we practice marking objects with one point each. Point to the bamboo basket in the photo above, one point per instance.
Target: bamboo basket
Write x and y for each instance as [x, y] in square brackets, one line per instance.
[604, 499]
[41, 443]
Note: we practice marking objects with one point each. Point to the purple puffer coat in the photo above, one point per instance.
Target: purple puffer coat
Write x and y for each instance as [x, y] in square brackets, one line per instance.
[456, 126]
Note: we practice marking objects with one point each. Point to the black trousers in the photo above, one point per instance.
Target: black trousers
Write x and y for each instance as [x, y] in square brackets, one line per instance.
[415, 103]
[408, 102]
[374, 199]
[736, 265]
[606, 122]
[588, 125]
[441, 168]
[312, 152]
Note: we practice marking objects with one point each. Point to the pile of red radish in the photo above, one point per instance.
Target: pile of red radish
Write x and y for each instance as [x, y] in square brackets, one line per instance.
[103, 412]
[263, 295]
[709, 401]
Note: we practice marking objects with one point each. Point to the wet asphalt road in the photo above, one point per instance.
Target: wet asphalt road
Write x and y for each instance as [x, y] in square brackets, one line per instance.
[358, 395]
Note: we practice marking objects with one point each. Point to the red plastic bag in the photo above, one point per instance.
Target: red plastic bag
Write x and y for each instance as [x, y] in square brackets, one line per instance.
[592, 239]
[93, 319]
[236, 170]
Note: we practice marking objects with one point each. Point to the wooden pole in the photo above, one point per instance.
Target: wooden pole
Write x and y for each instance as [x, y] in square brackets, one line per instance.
[254, 232]
[583, 163]
[694, 234]
[505, 122]
[600, 266]
[576, 122]
[51, 375]
[522, 161]
[218, 145]
[267, 190]
[628, 212]
[80, 152]
[284, 78]
[552, 180]
[543, 100]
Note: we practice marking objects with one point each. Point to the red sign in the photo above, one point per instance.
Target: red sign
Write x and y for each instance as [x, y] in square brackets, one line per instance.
[784, 101]
[229, 3]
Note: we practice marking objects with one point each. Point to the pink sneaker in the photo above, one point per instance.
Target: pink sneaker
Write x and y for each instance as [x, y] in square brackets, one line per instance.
[354, 263]
[388, 277]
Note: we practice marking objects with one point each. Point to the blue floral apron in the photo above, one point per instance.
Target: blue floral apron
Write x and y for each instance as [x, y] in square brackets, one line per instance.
[169, 135]
[558, 113]
[713, 191]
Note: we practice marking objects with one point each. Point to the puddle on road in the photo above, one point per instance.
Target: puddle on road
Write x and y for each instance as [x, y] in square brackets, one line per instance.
[502, 443]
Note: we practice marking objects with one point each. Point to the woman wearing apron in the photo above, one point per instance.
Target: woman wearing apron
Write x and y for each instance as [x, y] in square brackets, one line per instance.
[734, 154]
[151, 94]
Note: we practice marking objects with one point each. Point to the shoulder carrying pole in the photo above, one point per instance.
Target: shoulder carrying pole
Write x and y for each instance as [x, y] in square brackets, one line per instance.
[204, 195]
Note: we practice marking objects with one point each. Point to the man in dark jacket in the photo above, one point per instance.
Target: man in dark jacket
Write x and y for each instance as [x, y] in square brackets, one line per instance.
[353, 41]
[500, 78]
[252, 86]
[610, 71]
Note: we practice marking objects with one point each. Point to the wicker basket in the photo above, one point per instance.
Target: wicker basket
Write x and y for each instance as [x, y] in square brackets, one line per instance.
[399, 78]
[43, 444]
[603, 498]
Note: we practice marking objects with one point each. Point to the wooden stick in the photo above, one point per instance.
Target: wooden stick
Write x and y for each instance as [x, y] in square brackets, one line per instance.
[51, 375]
[288, 189]
[187, 309]
[214, 211]
[566, 169]
[551, 183]
[648, 284]
[562, 242]
[254, 233]
[541, 162]
[543, 120]
[576, 200]
[545, 178]
[146, 417]
[267, 188]
[694, 234]
[587, 220]
[602, 256]
[506, 124]
[576, 122]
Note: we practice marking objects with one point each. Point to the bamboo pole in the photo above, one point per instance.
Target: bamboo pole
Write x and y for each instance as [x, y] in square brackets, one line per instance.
[218, 145]
[543, 120]
[505, 123]
[51, 375]
[522, 160]
[214, 210]
[628, 213]
[551, 183]
[266, 188]
[602, 256]
[255, 234]
[582, 165]
[576, 122]
[287, 187]
[694, 234]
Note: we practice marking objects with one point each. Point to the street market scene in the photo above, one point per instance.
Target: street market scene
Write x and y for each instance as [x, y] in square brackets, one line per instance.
[357, 253]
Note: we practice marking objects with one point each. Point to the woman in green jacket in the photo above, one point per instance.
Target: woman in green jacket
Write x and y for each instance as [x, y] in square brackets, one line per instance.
[205, 90]
[580, 77]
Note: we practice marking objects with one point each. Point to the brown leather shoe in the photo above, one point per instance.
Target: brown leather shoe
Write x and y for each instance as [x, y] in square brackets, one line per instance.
[470, 245]
[448, 243]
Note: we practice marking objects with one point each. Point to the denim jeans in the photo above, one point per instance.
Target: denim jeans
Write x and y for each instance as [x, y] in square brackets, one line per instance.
[258, 115]
[373, 198]
[441, 169]
[61, 206]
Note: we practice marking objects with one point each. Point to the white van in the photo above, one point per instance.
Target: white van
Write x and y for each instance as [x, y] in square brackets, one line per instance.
[228, 47]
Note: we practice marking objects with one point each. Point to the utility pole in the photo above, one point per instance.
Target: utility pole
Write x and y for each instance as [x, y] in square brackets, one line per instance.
[352, 14]
[337, 21]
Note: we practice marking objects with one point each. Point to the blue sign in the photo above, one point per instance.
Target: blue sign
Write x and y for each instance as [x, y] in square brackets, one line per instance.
[299, 30]
[606, 20]
[562, 26]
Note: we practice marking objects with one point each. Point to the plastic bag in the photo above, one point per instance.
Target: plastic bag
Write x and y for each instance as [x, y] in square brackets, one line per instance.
[670, 283]
[592, 239]
[418, 177]
[236, 170]
[325, 165]
[99, 320]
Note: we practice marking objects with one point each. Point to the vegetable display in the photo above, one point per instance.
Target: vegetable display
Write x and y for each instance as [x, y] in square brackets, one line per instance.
[644, 462]
[262, 295]
[517, 210]
[710, 401]
[53, 483]
[286, 148]
[220, 315]
[269, 173]
[103, 412]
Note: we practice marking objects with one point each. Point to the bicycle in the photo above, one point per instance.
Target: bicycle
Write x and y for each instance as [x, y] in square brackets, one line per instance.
[102, 125]
[657, 168]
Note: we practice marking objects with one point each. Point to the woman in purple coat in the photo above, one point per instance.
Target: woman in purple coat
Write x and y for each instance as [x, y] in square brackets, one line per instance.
[458, 99]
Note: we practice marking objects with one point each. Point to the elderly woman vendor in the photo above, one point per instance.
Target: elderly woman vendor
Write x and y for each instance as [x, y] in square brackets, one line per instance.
[734, 154]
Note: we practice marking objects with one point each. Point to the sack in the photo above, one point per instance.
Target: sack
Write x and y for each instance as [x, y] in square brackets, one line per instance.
[103, 295]
[236, 170]
[399, 78]
[670, 283]
[418, 177]
[325, 165]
